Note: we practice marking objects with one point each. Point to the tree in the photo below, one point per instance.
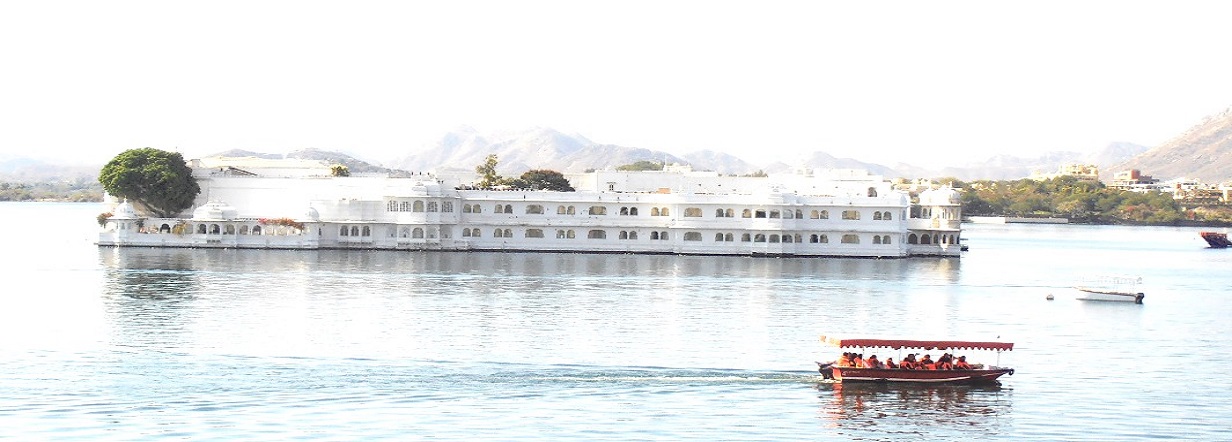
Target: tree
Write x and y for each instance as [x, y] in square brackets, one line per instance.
[541, 179]
[339, 170]
[641, 165]
[487, 170]
[157, 179]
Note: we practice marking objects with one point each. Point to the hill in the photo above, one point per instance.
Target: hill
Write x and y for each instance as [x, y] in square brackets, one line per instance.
[1203, 152]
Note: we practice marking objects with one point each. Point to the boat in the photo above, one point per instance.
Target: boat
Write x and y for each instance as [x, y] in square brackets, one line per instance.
[1217, 240]
[1110, 288]
[978, 374]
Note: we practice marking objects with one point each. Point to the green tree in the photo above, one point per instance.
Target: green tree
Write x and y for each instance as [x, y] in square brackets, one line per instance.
[487, 170]
[641, 166]
[339, 170]
[541, 179]
[157, 179]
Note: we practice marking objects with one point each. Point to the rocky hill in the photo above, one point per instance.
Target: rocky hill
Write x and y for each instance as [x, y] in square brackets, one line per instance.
[1203, 152]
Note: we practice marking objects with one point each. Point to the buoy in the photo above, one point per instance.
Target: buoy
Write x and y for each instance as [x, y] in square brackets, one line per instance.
[1049, 297]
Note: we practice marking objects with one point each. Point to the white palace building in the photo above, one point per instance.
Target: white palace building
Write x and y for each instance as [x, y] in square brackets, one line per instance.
[297, 204]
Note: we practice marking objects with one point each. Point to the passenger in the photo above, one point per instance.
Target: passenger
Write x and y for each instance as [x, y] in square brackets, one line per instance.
[844, 360]
[889, 363]
[962, 364]
[858, 361]
[927, 363]
[943, 363]
[909, 363]
[872, 362]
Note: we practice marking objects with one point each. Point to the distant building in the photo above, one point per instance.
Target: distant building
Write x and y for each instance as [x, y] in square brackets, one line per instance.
[1084, 172]
[1134, 180]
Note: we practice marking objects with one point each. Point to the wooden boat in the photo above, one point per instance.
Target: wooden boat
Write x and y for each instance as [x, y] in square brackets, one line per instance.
[1110, 288]
[1216, 240]
[976, 375]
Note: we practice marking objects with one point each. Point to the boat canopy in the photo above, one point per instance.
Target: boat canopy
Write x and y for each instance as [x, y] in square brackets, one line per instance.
[908, 343]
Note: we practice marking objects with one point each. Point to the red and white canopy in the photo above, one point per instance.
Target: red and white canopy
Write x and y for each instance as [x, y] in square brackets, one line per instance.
[908, 343]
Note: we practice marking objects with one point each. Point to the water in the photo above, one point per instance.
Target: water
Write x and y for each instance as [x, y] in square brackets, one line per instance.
[149, 344]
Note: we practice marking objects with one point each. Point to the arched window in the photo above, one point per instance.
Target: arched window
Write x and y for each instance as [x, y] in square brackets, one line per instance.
[569, 234]
[214, 229]
[343, 231]
[887, 216]
[692, 236]
[624, 211]
[727, 237]
[508, 208]
[746, 213]
[367, 231]
[560, 210]
[466, 233]
[662, 236]
[433, 206]
[876, 239]
[774, 238]
[447, 206]
[418, 233]
[534, 233]
[508, 233]
[572, 211]
[498, 209]
[256, 230]
[774, 214]
[418, 206]
[664, 212]
[825, 238]
[729, 213]
[560, 234]
[497, 233]
[813, 238]
[597, 210]
[911, 239]
[632, 211]
[534, 209]
[799, 214]
[166, 228]
[230, 229]
[787, 214]
[692, 212]
[718, 213]
[466, 208]
[243, 229]
[632, 234]
[744, 237]
[654, 235]
[760, 213]
[925, 239]
[354, 230]
[760, 237]
[876, 216]
[787, 238]
[597, 234]
[885, 239]
[654, 211]
[405, 232]
[476, 233]
[851, 238]
[825, 214]
[851, 214]
[624, 235]
[718, 237]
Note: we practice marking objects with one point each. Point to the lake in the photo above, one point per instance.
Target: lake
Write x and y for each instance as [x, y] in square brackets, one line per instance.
[151, 344]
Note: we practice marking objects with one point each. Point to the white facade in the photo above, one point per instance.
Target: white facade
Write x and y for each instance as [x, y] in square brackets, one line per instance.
[843, 213]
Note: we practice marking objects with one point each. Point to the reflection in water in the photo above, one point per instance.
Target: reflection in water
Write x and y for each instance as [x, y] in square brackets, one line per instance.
[981, 410]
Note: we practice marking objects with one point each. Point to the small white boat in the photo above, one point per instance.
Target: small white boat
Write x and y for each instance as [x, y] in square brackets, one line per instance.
[1110, 288]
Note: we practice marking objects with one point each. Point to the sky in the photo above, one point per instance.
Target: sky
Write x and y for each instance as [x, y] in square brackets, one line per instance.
[925, 83]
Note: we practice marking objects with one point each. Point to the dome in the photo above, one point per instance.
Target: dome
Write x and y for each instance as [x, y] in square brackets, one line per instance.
[215, 210]
[940, 197]
[311, 215]
[124, 211]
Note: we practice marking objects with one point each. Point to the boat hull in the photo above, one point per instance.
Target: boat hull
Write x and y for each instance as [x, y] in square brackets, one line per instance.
[853, 374]
[1216, 240]
[1091, 294]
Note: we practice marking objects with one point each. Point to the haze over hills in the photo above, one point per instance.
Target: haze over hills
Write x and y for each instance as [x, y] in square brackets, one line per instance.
[1203, 152]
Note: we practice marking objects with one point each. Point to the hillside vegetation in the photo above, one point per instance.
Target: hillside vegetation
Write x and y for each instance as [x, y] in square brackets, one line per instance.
[1081, 202]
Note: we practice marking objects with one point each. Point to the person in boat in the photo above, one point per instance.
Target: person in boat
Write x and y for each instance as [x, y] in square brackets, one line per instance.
[889, 363]
[926, 363]
[909, 363]
[944, 362]
[872, 362]
[962, 364]
[858, 361]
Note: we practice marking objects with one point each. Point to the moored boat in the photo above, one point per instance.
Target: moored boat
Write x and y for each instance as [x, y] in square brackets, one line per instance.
[1110, 288]
[1217, 240]
[978, 373]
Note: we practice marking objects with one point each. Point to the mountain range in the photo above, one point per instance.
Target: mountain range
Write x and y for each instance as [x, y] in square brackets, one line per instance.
[1203, 152]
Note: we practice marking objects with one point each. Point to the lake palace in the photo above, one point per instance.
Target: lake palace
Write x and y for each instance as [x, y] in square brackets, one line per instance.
[298, 204]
